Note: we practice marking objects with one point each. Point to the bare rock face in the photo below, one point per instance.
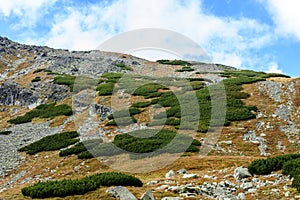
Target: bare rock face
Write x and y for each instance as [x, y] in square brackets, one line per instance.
[11, 94]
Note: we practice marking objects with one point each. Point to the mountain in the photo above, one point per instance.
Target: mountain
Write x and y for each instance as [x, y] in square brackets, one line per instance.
[177, 129]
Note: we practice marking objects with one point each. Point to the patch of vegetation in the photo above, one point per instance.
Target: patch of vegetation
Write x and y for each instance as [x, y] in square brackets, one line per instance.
[80, 147]
[42, 70]
[122, 121]
[65, 80]
[70, 187]
[174, 62]
[43, 111]
[141, 104]
[185, 69]
[145, 141]
[291, 167]
[36, 79]
[289, 163]
[105, 89]
[5, 132]
[51, 143]
[266, 166]
[124, 113]
[123, 66]
[149, 89]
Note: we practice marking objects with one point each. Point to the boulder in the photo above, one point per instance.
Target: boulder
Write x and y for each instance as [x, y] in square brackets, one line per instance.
[241, 172]
[148, 196]
[121, 192]
[182, 171]
[170, 174]
[190, 176]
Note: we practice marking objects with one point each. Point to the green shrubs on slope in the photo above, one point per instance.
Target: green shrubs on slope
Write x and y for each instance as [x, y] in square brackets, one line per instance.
[43, 111]
[290, 165]
[70, 187]
[51, 143]
[5, 132]
[266, 166]
[150, 141]
[65, 80]
[174, 62]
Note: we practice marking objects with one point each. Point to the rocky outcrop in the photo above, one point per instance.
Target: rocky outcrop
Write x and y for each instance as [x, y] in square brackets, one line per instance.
[12, 94]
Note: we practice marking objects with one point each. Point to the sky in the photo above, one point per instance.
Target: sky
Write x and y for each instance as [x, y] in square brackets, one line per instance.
[261, 35]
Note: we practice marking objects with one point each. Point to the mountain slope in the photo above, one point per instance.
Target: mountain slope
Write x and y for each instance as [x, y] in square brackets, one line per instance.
[39, 84]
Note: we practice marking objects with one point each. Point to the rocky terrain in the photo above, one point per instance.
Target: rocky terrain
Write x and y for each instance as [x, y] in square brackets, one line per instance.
[28, 78]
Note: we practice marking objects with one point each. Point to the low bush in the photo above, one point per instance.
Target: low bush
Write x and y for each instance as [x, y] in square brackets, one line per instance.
[174, 62]
[185, 69]
[43, 111]
[69, 187]
[51, 143]
[5, 132]
[105, 89]
[296, 182]
[122, 121]
[148, 89]
[141, 104]
[80, 147]
[123, 66]
[65, 80]
[266, 166]
[36, 79]
[291, 167]
[124, 113]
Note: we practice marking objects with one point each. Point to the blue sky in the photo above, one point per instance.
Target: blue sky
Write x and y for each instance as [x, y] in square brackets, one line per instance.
[262, 35]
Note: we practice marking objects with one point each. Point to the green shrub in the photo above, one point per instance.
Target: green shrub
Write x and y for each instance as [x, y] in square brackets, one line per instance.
[51, 143]
[141, 104]
[291, 167]
[123, 66]
[296, 182]
[266, 166]
[174, 62]
[105, 89]
[36, 79]
[124, 113]
[41, 70]
[148, 89]
[69, 187]
[122, 121]
[43, 111]
[65, 80]
[80, 147]
[5, 132]
[185, 69]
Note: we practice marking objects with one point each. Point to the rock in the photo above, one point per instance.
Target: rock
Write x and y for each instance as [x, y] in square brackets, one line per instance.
[152, 182]
[246, 186]
[190, 176]
[252, 190]
[170, 198]
[162, 187]
[241, 196]
[121, 192]
[148, 196]
[170, 174]
[241, 172]
[182, 171]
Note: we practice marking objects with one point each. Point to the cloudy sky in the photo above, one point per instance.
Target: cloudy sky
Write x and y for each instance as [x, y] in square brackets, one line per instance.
[263, 35]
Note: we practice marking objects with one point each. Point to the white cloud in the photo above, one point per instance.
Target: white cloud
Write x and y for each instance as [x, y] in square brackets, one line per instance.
[286, 16]
[28, 11]
[230, 41]
[274, 68]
